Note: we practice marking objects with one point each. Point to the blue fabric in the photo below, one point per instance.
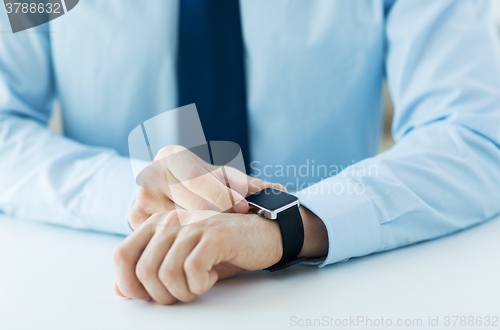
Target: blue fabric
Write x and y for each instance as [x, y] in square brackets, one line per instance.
[314, 76]
[211, 70]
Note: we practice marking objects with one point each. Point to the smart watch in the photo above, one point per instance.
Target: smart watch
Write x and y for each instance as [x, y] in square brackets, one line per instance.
[282, 207]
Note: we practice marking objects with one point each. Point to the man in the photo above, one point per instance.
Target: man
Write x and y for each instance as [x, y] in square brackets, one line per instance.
[314, 72]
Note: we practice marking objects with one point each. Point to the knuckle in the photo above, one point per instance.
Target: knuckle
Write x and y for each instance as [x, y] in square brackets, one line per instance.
[163, 227]
[154, 219]
[172, 217]
[151, 177]
[158, 216]
[121, 254]
[144, 272]
[134, 222]
[144, 195]
[191, 266]
[167, 276]
[168, 223]
[136, 218]
[134, 212]
[169, 150]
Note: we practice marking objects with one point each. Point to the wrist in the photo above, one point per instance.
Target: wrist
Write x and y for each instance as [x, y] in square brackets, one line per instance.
[270, 232]
[315, 235]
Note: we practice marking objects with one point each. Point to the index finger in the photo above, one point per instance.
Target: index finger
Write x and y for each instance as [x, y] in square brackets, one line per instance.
[203, 182]
[127, 254]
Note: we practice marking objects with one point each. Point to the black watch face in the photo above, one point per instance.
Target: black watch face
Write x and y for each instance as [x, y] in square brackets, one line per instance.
[271, 199]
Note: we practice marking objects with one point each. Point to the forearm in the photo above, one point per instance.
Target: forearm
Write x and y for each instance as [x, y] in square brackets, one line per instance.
[425, 187]
[53, 179]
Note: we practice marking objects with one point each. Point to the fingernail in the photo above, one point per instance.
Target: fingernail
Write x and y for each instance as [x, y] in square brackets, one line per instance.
[240, 207]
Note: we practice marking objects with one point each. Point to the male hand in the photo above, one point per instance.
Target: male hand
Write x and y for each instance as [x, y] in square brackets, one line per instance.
[178, 179]
[183, 244]
[167, 260]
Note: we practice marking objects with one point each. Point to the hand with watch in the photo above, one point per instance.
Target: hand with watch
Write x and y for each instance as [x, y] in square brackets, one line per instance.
[183, 244]
[277, 205]
[166, 260]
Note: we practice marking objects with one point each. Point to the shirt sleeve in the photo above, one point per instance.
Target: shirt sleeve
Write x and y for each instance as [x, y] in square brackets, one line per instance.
[443, 174]
[45, 176]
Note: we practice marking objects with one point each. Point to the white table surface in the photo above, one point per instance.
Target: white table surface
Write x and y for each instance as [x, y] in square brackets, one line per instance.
[57, 278]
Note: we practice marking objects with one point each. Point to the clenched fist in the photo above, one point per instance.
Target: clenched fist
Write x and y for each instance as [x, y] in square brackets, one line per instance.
[169, 261]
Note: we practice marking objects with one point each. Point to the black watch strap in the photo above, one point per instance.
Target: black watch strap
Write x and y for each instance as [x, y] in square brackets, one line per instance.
[292, 233]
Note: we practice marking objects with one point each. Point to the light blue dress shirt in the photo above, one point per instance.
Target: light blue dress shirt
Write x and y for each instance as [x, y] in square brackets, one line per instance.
[315, 70]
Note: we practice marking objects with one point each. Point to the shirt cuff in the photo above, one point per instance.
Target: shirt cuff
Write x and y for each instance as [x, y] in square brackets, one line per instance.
[348, 214]
[112, 197]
